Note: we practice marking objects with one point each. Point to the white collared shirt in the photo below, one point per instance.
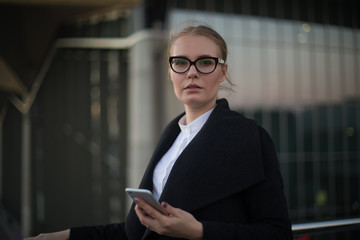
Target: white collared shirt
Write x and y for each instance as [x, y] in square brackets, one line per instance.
[164, 166]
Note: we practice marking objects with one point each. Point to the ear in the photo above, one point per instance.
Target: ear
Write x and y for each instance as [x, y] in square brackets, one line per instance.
[224, 70]
[169, 75]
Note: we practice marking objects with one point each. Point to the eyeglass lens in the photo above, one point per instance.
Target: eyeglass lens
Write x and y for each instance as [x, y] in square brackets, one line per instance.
[203, 65]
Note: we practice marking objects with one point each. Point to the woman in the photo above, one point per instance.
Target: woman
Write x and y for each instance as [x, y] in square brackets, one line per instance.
[214, 171]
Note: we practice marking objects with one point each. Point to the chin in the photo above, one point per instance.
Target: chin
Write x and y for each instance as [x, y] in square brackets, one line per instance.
[195, 103]
[191, 100]
[195, 100]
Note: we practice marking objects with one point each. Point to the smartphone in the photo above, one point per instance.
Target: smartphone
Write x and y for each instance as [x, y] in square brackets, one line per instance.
[145, 195]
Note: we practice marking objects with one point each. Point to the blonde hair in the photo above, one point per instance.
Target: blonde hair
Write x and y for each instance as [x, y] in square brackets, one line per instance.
[201, 30]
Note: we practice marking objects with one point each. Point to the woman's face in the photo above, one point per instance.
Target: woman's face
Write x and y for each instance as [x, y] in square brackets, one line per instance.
[194, 89]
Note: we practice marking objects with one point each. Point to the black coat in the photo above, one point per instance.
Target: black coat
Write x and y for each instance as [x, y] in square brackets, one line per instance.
[228, 177]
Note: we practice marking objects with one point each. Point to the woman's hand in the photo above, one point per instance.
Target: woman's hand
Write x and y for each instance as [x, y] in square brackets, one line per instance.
[62, 235]
[172, 222]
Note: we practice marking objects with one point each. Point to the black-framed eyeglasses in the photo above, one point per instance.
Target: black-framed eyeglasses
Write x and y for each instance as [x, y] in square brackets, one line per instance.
[203, 65]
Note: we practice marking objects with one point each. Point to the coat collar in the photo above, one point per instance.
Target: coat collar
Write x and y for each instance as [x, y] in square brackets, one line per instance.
[210, 168]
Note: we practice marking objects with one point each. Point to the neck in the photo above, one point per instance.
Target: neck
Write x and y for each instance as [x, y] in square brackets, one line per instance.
[193, 112]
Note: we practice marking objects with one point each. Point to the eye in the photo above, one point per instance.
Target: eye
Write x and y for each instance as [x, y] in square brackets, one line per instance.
[206, 62]
[179, 62]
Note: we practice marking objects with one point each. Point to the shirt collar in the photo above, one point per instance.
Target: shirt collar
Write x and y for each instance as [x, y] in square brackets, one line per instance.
[195, 125]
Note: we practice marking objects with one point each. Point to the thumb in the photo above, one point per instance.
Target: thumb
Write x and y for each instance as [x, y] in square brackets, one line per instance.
[167, 209]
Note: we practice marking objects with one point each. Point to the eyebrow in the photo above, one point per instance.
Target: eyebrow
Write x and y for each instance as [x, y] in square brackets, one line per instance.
[201, 56]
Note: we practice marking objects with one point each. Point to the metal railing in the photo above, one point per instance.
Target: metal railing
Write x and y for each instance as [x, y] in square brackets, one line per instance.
[326, 226]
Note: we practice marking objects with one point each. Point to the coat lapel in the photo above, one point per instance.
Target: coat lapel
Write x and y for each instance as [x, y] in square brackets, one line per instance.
[209, 168]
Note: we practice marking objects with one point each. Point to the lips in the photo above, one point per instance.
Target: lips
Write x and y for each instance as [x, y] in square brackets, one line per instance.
[192, 86]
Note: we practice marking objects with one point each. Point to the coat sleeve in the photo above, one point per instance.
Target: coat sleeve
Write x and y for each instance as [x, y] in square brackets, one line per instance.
[104, 232]
[265, 203]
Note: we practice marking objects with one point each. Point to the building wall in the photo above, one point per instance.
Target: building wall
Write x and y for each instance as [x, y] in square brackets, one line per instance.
[100, 111]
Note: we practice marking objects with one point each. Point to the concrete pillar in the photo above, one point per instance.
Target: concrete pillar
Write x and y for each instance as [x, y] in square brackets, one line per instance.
[141, 107]
[151, 103]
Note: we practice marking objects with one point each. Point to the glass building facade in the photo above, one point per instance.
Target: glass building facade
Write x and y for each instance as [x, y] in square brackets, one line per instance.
[295, 65]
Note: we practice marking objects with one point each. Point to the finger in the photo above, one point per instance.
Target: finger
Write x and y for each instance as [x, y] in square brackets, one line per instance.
[140, 212]
[168, 210]
[144, 218]
[150, 210]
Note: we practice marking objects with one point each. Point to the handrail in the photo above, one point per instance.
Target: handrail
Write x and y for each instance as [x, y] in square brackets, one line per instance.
[326, 226]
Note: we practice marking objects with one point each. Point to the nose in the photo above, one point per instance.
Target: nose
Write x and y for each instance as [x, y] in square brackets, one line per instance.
[192, 73]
